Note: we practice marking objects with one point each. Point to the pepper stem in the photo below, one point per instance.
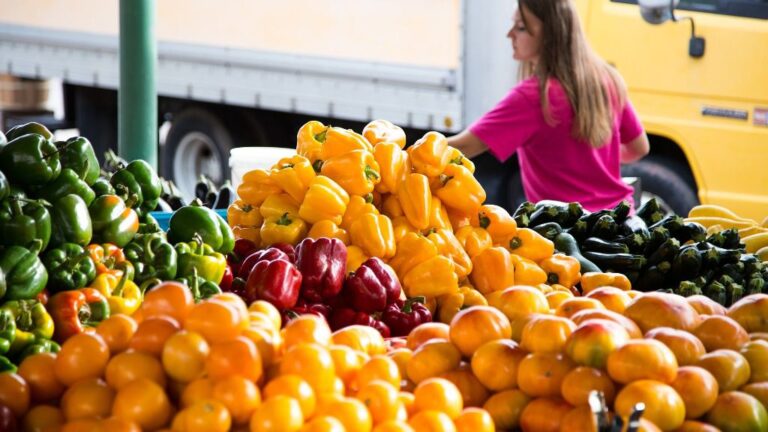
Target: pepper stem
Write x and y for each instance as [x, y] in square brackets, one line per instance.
[553, 278]
[371, 173]
[485, 221]
[408, 305]
[515, 243]
[317, 165]
[284, 220]
[321, 136]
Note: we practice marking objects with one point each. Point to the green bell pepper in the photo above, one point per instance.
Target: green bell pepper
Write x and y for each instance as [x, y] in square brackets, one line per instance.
[6, 365]
[149, 225]
[196, 219]
[140, 179]
[71, 221]
[68, 182]
[32, 323]
[7, 330]
[5, 187]
[198, 257]
[200, 287]
[113, 222]
[30, 160]
[38, 346]
[152, 257]
[28, 128]
[77, 153]
[69, 267]
[102, 187]
[25, 274]
[23, 221]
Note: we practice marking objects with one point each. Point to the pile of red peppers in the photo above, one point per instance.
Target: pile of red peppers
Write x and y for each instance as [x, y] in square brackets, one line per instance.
[312, 278]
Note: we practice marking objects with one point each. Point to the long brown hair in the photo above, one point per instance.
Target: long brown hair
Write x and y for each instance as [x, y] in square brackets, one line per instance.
[592, 86]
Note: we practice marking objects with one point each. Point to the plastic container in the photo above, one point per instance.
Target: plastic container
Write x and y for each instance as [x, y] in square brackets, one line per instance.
[163, 218]
[244, 159]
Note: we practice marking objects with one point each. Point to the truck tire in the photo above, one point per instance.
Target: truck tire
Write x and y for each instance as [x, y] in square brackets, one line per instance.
[666, 179]
[198, 143]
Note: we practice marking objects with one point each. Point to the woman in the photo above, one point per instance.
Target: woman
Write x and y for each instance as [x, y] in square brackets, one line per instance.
[569, 119]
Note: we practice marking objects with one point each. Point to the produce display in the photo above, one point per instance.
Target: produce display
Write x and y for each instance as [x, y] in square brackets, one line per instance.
[364, 285]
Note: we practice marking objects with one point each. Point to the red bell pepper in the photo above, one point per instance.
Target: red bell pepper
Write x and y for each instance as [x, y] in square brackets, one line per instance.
[238, 287]
[268, 254]
[287, 248]
[276, 281]
[372, 287]
[323, 263]
[243, 248]
[402, 317]
[226, 280]
[318, 309]
[344, 317]
[76, 311]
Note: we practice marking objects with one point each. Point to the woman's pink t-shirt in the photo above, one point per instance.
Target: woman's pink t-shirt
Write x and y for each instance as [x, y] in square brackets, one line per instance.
[553, 164]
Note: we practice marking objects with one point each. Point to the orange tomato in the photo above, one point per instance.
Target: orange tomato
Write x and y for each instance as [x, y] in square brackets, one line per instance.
[756, 353]
[83, 425]
[614, 299]
[216, 320]
[143, 402]
[199, 389]
[642, 359]
[593, 340]
[473, 393]
[579, 419]
[556, 298]
[656, 309]
[238, 395]
[117, 331]
[347, 362]
[720, 332]
[495, 364]
[433, 421]
[516, 302]
[705, 305]
[571, 306]
[663, 406]
[118, 425]
[170, 299]
[84, 355]
[379, 367]
[307, 329]
[37, 371]
[206, 416]
[474, 420]
[87, 398]
[696, 426]
[541, 375]
[474, 326]
[432, 359]
[184, 355]
[235, 301]
[544, 414]
[351, 412]
[361, 338]
[266, 308]
[382, 400]
[323, 424]
[438, 394]
[408, 401]
[735, 410]
[311, 362]
[581, 381]
[43, 418]
[686, 347]
[267, 342]
[750, 312]
[237, 356]
[14, 393]
[506, 407]
[129, 366]
[632, 329]
[401, 356]
[152, 334]
[730, 368]
[293, 386]
[759, 390]
[393, 426]
[698, 388]
[546, 334]
[425, 332]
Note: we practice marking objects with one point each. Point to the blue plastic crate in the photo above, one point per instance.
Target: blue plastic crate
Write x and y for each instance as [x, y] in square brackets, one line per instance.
[163, 218]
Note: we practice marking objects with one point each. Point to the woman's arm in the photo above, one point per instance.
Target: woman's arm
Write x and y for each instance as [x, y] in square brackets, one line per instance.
[635, 149]
[468, 143]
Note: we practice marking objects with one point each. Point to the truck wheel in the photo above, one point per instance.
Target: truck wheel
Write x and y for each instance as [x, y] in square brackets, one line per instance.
[667, 180]
[197, 143]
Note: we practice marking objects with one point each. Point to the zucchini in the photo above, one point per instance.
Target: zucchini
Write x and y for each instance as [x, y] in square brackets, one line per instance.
[653, 278]
[549, 203]
[665, 252]
[635, 242]
[566, 244]
[716, 291]
[751, 263]
[688, 288]
[672, 222]
[523, 213]
[728, 239]
[563, 213]
[596, 244]
[543, 215]
[658, 237]
[618, 262]
[578, 230]
[687, 263]
[733, 271]
[605, 227]
[634, 225]
[733, 293]
[621, 211]
[755, 285]
[691, 231]
[650, 212]
[549, 230]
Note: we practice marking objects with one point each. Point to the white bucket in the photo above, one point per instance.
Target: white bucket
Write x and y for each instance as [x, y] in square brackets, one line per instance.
[244, 159]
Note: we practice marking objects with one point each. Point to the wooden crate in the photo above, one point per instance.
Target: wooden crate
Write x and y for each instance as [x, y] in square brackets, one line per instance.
[23, 94]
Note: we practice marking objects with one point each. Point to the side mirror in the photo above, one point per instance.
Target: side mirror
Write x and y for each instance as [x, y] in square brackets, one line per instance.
[660, 11]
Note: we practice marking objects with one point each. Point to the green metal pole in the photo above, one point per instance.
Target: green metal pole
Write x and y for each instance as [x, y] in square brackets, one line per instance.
[137, 98]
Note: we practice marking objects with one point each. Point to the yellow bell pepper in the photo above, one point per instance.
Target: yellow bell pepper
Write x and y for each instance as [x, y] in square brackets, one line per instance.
[412, 250]
[493, 270]
[438, 215]
[527, 272]
[379, 131]
[252, 233]
[339, 141]
[123, 295]
[373, 233]
[448, 305]
[394, 165]
[357, 207]
[401, 227]
[496, 220]
[256, 187]
[286, 228]
[431, 278]
[277, 205]
[326, 228]
[390, 206]
[530, 244]
[356, 171]
[430, 155]
[460, 190]
[310, 139]
[473, 240]
[416, 199]
[561, 269]
[458, 158]
[458, 219]
[325, 200]
[448, 245]
[593, 280]
[294, 175]
[355, 257]
[241, 213]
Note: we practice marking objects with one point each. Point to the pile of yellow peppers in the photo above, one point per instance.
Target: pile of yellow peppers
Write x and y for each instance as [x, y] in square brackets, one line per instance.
[419, 209]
